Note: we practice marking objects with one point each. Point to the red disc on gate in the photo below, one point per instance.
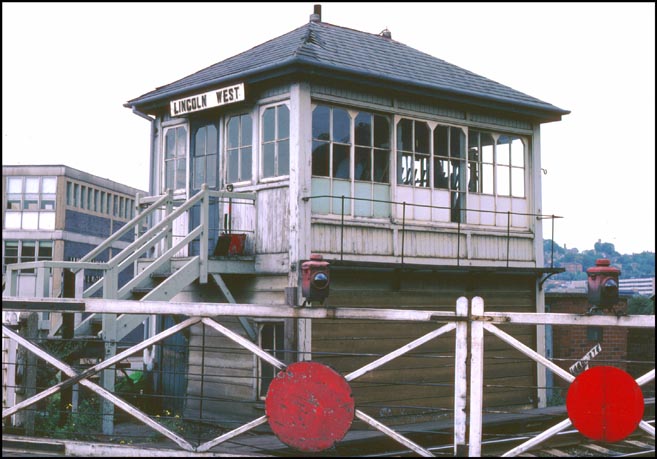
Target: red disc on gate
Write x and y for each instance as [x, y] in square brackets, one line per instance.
[309, 406]
[605, 403]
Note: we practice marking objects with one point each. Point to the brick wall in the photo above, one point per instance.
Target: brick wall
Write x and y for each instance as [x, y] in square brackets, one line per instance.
[571, 342]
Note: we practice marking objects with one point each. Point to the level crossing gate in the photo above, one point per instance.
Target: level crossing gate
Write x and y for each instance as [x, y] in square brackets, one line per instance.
[468, 322]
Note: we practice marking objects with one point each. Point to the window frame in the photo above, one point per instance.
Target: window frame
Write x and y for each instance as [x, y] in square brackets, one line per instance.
[278, 338]
[227, 148]
[277, 176]
[176, 157]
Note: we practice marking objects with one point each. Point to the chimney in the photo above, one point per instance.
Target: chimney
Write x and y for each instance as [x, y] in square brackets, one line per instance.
[386, 33]
[317, 14]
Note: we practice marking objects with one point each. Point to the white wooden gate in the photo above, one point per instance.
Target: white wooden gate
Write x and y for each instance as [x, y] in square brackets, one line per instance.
[467, 314]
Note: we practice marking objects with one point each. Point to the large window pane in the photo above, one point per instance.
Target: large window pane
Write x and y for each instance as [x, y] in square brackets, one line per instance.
[170, 144]
[405, 135]
[233, 164]
[517, 153]
[245, 167]
[283, 121]
[320, 159]
[518, 182]
[441, 173]
[362, 165]
[47, 220]
[12, 220]
[269, 124]
[269, 160]
[404, 168]
[247, 132]
[15, 185]
[233, 132]
[49, 185]
[381, 166]
[284, 157]
[503, 181]
[421, 137]
[32, 184]
[363, 129]
[200, 142]
[321, 123]
[340, 161]
[503, 151]
[381, 132]
[341, 126]
[487, 179]
[421, 170]
[441, 141]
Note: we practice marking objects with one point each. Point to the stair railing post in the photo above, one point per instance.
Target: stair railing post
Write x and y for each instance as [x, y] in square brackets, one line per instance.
[460, 377]
[168, 239]
[205, 223]
[137, 226]
[476, 376]
[109, 330]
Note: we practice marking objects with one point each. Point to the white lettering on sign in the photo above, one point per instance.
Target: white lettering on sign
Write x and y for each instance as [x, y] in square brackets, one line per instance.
[216, 98]
[583, 364]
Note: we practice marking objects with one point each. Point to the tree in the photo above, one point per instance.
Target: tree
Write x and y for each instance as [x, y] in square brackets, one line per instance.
[641, 305]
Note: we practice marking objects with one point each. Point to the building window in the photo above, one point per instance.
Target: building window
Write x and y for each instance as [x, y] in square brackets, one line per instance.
[271, 339]
[175, 160]
[30, 203]
[496, 164]
[331, 142]
[372, 139]
[276, 141]
[204, 156]
[238, 149]
[449, 166]
[413, 167]
[350, 158]
[25, 252]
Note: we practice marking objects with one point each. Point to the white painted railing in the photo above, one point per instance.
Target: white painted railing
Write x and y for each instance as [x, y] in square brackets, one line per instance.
[467, 312]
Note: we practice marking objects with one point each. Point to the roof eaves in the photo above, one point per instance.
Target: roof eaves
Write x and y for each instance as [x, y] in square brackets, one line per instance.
[154, 98]
[542, 108]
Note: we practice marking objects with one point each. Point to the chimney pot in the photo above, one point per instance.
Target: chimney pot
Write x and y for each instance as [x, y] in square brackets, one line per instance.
[317, 14]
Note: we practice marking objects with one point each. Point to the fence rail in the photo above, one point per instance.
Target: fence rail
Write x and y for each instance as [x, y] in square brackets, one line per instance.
[459, 221]
[469, 321]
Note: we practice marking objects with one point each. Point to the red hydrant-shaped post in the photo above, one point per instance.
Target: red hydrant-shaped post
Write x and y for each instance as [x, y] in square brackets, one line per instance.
[603, 284]
[315, 278]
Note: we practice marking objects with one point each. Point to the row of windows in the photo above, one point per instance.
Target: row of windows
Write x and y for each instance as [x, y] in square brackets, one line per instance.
[30, 203]
[428, 155]
[31, 193]
[275, 148]
[89, 198]
[24, 252]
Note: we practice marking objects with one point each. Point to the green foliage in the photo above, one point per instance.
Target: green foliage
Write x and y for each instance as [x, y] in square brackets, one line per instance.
[641, 305]
[83, 424]
[636, 265]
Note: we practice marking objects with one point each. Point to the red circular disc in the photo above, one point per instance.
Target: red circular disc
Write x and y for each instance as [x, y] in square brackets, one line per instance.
[605, 403]
[309, 406]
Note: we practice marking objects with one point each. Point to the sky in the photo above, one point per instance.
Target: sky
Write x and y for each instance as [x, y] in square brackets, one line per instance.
[68, 68]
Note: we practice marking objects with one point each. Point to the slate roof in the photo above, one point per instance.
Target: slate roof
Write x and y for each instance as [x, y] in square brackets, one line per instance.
[327, 49]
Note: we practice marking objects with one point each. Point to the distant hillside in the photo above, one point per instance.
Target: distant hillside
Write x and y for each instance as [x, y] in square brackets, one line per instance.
[576, 262]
